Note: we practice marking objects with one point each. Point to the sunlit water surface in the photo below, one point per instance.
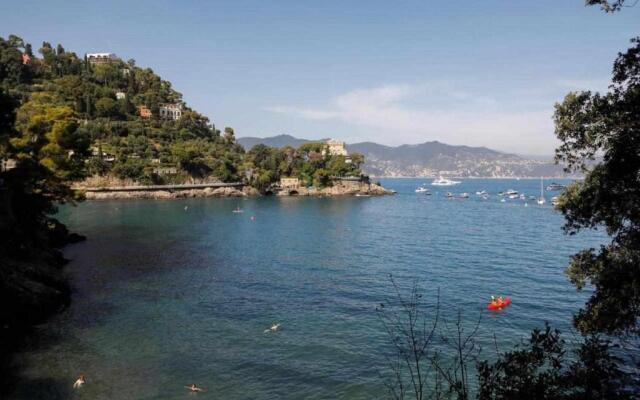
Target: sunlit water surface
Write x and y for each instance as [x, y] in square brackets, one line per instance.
[173, 292]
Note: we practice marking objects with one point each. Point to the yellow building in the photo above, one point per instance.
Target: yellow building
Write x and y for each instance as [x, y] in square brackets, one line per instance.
[337, 147]
[289, 183]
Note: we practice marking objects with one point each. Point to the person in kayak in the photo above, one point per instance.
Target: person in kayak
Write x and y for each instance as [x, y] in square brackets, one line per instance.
[497, 302]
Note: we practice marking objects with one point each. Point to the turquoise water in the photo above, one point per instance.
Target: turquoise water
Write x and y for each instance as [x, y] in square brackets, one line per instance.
[167, 293]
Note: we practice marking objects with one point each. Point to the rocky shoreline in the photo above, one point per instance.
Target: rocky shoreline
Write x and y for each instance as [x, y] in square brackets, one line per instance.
[338, 189]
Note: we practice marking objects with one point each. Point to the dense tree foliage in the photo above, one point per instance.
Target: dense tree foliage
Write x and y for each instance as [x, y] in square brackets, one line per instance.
[97, 107]
[310, 163]
[542, 369]
[606, 125]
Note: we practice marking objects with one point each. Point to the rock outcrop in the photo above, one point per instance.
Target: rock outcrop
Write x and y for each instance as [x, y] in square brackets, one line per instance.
[339, 188]
[170, 194]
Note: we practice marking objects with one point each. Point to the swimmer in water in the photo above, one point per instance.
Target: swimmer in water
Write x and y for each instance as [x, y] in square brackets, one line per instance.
[78, 383]
[274, 328]
[193, 388]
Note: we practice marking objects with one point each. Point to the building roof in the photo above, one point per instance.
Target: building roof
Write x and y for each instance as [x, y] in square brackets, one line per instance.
[101, 55]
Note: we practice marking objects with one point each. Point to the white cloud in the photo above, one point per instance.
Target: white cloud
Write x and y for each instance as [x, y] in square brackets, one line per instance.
[450, 116]
[594, 85]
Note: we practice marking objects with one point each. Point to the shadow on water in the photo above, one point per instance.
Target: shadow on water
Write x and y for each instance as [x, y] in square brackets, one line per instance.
[43, 388]
[12, 343]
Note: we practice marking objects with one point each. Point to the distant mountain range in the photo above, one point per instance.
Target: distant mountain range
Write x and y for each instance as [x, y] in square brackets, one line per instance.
[431, 159]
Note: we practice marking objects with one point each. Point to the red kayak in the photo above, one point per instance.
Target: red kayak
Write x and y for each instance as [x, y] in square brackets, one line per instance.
[498, 304]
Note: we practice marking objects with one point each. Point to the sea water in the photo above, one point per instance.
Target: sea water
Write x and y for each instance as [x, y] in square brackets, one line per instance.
[173, 292]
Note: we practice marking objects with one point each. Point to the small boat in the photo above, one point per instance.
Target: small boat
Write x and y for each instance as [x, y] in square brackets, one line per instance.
[238, 210]
[449, 195]
[444, 182]
[464, 195]
[510, 192]
[541, 199]
[481, 193]
[502, 200]
[522, 196]
[555, 200]
[362, 195]
[555, 186]
[498, 304]
[513, 196]
[422, 190]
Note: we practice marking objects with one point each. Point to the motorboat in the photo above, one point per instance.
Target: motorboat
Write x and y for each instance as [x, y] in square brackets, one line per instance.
[464, 195]
[513, 196]
[522, 196]
[449, 195]
[238, 210]
[481, 193]
[510, 192]
[555, 187]
[443, 182]
[422, 190]
[555, 200]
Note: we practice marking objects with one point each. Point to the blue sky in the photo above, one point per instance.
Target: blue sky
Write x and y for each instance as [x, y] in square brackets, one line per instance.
[394, 72]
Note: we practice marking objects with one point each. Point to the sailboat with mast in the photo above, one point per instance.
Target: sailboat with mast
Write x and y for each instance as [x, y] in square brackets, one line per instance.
[541, 199]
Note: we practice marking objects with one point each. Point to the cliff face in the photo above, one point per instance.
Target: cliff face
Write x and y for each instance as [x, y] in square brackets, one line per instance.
[32, 287]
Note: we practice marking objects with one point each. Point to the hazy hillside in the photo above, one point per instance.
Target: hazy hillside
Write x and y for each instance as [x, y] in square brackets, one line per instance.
[431, 158]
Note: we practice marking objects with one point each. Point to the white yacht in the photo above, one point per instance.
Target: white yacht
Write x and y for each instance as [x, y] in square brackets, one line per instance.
[422, 190]
[555, 186]
[444, 182]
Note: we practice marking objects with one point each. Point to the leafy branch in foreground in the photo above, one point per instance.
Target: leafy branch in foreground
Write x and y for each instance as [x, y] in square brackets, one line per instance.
[419, 366]
[610, 6]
